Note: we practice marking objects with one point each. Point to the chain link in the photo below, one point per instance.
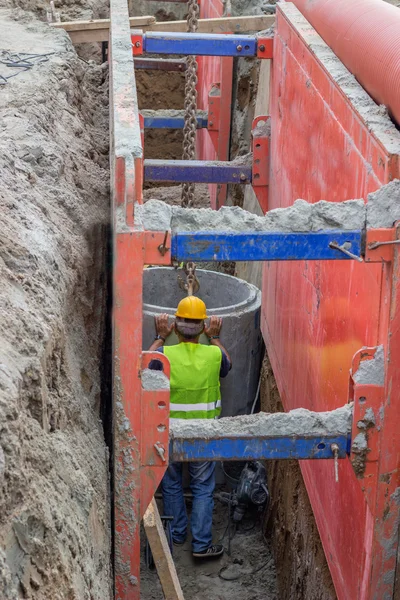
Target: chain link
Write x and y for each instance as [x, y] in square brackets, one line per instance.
[190, 120]
[192, 284]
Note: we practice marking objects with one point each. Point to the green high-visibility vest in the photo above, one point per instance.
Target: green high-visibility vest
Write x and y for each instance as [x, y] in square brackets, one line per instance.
[194, 382]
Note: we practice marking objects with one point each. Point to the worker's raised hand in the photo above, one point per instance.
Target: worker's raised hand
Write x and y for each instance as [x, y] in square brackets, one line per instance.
[163, 329]
[214, 328]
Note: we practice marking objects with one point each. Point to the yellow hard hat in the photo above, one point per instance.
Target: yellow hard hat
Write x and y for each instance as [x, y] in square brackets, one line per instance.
[191, 308]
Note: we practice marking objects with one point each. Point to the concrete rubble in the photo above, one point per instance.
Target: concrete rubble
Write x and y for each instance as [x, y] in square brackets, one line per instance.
[371, 372]
[154, 380]
[384, 205]
[301, 217]
[381, 210]
[299, 421]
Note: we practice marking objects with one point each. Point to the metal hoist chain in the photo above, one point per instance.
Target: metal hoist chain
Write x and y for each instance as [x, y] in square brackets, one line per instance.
[190, 120]
[192, 284]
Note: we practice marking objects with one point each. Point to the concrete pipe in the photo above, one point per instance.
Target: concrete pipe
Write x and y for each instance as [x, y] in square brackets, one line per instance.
[238, 303]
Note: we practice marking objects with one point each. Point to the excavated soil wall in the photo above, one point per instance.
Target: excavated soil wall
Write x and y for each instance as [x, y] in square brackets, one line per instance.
[301, 568]
[55, 541]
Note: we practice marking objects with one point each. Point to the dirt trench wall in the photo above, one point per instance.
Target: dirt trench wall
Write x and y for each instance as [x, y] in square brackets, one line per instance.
[302, 570]
[54, 206]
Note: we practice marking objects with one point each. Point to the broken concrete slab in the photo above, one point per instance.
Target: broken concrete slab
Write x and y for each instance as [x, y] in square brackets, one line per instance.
[372, 371]
[300, 217]
[154, 380]
[297, 422]
[383, 206]
[381, 210]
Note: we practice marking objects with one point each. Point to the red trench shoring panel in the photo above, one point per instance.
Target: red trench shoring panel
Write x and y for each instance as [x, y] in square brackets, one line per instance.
[215, 71]
[316, 315]
[140, 416]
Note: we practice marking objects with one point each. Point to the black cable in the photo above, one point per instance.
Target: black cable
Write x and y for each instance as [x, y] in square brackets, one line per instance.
[14, 60]
[229, 530]
[263, 565]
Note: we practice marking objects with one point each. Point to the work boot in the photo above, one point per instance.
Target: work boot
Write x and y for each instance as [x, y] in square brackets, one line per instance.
[212, 552]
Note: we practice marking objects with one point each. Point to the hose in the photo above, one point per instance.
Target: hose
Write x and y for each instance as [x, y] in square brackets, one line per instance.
[256, 398]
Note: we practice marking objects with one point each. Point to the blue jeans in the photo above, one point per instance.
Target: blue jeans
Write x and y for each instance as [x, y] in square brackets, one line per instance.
[202, 484]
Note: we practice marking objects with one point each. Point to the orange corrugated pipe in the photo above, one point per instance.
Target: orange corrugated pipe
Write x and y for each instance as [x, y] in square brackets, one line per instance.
[365, 35]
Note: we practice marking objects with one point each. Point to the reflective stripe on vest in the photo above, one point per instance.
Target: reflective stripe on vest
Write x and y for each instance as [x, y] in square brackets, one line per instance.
[195, 388]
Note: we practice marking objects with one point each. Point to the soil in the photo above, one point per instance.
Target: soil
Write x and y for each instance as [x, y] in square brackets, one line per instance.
[201, 579]
[55, 538]
[172, 195]
[159, 90]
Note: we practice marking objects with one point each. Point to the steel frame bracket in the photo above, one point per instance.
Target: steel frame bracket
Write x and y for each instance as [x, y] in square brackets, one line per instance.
[198, 171]
[154, 439]
[157, 248]
[194, 44]
[160, 120]
[201, 44]
[137, 42]
[261, 134]
[258, 448]
[263, 246]
[367, 414]
[379, 246]
[214, 113]
[265, 47]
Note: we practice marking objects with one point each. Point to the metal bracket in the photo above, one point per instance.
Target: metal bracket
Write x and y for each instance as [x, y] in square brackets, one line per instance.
[214, 112]
[199, 171]
[368, 401]
[261, 133]
[154, 442]
[259, 448]
[156, 250]
[380, 244]
[262, 246]
[265, 47]
[137, 43]
[195, 44]
[171, 119]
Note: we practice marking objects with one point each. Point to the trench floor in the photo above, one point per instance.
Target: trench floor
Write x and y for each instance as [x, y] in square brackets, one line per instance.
[250, 564]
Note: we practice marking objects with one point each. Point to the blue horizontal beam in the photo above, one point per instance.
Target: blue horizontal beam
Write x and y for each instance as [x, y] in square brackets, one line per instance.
[196, 171]
[299, 448]
[159, 122]
[256, 246]
[199, 44]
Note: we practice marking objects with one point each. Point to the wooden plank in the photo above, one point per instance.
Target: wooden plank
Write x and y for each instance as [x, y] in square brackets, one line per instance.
[160, 64]
[219, 25]
[100, 24]
[98, 31]
[92, 35]
[161, 553]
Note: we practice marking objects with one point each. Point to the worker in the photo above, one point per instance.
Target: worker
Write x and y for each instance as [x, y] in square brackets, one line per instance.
[195, 394]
